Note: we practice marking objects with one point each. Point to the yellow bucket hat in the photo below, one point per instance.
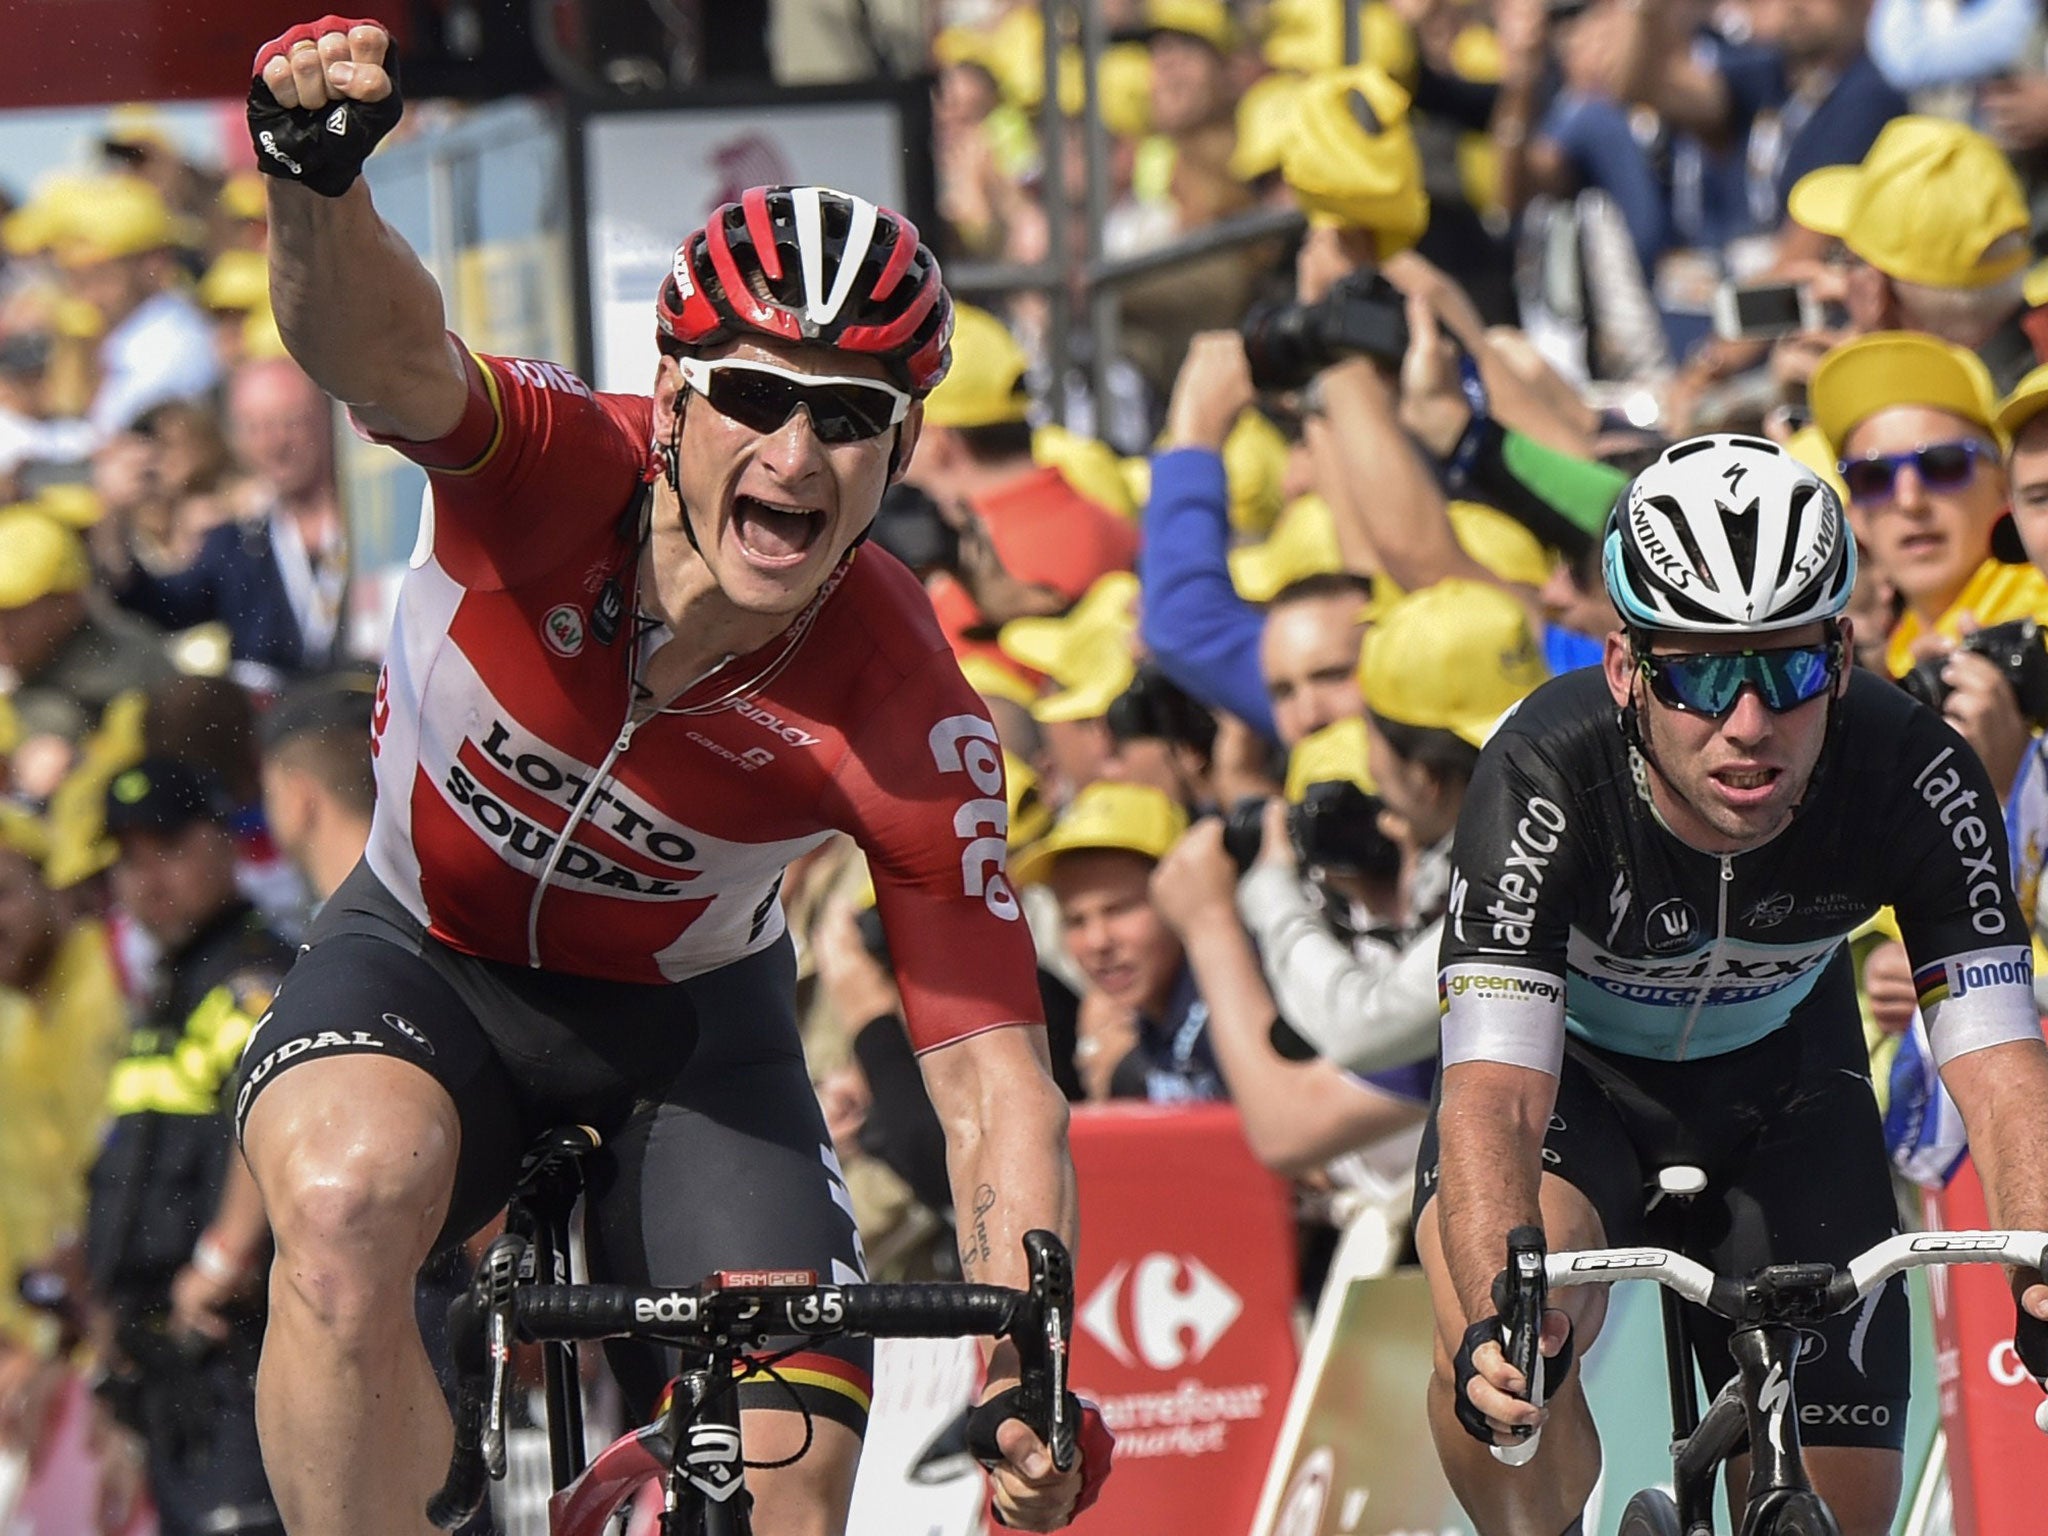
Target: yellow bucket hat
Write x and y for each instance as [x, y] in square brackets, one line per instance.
[85, 219]
[1453, 657]
[1207, 21]
[1335, 754]
[39, 556]
[1934, 202]
[1123, 88]
[1353, 161]
[1086, 652]
[1873, 373]
[992, 679]
[1501, 544]
[1303, 542]
[239, 279]
[985, 385]
[1030, 813]
[1134, 817]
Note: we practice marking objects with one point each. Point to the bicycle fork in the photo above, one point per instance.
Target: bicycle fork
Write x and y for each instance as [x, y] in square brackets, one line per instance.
[1757, 1404]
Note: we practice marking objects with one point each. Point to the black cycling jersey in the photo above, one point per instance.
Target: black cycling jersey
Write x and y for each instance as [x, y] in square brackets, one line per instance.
[1574, 908]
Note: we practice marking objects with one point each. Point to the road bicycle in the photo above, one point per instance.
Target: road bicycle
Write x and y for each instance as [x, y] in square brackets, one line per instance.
[736, 1324]
[1758, 1409]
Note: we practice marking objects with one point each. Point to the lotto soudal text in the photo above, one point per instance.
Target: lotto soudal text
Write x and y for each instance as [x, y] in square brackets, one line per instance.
[1942, 789]
[522, 840]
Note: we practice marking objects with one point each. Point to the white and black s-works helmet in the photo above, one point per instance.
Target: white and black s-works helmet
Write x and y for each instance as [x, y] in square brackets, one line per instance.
[1728, 534]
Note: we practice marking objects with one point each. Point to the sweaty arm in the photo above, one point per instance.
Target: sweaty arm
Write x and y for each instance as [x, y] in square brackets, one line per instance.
[361, 314]
[1503, 987]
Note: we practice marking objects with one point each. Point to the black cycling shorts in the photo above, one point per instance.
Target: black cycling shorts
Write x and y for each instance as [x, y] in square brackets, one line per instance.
[714, 1153]
[1788, 1134]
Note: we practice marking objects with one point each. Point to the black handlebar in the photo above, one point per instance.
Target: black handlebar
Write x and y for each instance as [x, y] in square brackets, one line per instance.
[722, 1317]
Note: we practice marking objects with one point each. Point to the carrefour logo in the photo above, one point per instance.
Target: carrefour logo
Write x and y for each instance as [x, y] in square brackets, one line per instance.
[1177, 1309]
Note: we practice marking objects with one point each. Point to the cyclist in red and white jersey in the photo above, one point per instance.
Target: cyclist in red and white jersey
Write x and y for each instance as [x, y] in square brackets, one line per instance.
[641, 662]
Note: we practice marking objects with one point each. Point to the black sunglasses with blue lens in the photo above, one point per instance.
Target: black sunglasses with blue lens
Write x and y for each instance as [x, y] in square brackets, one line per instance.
[1709, 682]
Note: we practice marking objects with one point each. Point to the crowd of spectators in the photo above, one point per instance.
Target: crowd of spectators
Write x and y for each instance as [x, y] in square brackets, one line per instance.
[1243, 621]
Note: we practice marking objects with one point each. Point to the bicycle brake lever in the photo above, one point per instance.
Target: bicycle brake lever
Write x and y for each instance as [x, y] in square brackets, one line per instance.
[497, 1279]
[1520, 1297]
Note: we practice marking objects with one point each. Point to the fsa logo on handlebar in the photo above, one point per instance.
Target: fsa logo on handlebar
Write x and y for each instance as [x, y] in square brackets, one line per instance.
[967, 744]
[1640, 1258]
[1960, 1242]
[665, 1309]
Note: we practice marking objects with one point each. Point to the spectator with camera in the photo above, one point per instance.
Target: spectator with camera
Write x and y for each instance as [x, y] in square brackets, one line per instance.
[1934, 224]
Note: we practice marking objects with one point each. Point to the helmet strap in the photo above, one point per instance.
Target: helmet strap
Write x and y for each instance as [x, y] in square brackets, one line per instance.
[672, 467]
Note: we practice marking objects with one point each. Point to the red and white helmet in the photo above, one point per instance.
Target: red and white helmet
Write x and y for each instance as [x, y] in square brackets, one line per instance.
[811, 265]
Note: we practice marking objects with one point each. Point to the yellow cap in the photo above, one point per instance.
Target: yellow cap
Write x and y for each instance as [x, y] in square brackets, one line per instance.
[1206, 20]
[38, 556]
[961, 45]
[2028, 399]
[993, 680]
[1265, 122]
[1873, 373]
[986, 382]
[1133, 817]
[1013, 51]
[1123, 88]
[1030, 813]
[1303, 542]
[1308, 35]
[1255, 468]
[10, 726]
[1137, 471]
[1809, 445]
[1335, 754]
[1088, 464]
[1476, 54]
[137, 125]
[1501, 544]
[1353, 161]
[1452, 657]
[1086, 653]
[238, 279]
[1934, 202]
[82, 220]
[241, 197]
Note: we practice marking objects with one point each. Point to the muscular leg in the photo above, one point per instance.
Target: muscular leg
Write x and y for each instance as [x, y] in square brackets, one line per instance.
[355, 1156]
[1546, 1495]
[1860, 1483]
[811, 1497]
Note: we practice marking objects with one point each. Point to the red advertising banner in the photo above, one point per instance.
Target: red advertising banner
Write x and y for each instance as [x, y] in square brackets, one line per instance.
[1997, 1459]
[1183, 1335]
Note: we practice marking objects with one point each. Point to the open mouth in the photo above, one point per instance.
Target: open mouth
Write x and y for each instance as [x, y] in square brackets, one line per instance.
[775, 533]
[1747, 783]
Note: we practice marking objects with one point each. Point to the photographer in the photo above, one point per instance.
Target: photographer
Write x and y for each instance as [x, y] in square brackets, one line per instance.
[1440, 667]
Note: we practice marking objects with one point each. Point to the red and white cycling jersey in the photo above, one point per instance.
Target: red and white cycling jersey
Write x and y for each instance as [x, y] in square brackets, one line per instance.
[507, 686]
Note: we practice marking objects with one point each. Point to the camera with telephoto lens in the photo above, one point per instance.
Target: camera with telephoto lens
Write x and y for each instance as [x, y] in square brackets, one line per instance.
[1335, 826]
[1363, 315]
[2018, 648]
[910, 526]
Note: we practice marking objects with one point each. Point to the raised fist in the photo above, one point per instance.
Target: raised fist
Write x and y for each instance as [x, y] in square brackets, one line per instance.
[322, 96]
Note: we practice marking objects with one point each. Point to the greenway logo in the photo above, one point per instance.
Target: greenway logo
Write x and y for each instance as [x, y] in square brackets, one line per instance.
[1178, 1308]
[1502, 986]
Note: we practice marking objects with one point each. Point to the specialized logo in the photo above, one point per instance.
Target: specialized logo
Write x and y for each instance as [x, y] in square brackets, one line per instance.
[411, 1031]
[1672, 926]
[1617, 904]
[1773, 1398]
[1942, 790]
[562, 629]
[967, 744]
[711, 1460]
[1650, 540]
[1536, 838]
[1178, 1309]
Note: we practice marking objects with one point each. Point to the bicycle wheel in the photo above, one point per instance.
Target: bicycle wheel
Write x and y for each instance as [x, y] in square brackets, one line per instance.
[1800, 1514]
[1650, 1513]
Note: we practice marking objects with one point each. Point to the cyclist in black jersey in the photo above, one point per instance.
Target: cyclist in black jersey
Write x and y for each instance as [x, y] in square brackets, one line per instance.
[1655, 867]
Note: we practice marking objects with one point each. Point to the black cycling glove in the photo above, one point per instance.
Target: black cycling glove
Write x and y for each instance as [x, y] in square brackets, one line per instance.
[1487, 1331]
[319, 147]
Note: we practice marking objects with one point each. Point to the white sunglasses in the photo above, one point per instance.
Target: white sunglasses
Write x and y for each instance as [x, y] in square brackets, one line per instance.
[761, 396]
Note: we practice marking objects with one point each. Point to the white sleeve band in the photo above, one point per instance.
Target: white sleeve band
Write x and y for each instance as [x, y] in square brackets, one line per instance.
[1979, 999]
[1504, 1013]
